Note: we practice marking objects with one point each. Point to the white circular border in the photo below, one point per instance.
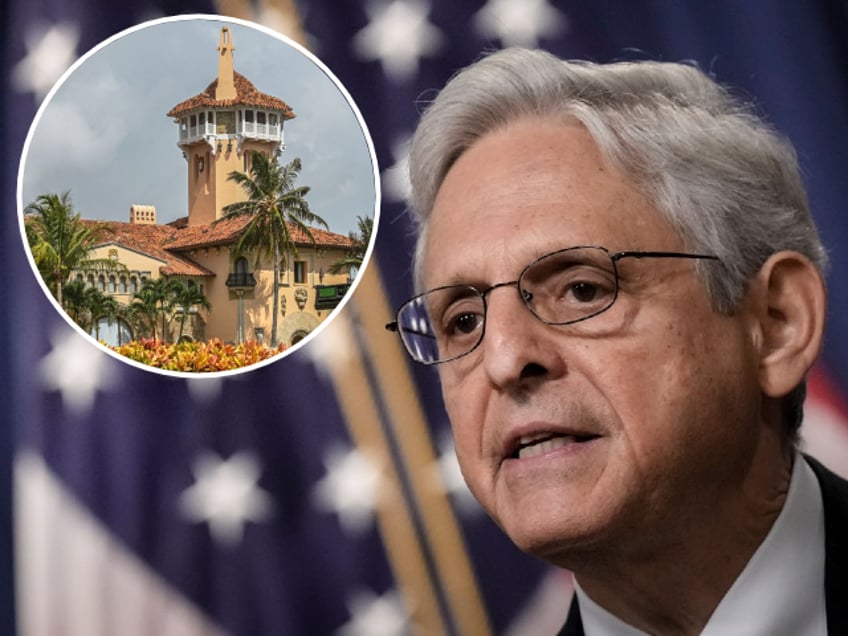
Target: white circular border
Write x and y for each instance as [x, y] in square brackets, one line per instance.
[193, 375]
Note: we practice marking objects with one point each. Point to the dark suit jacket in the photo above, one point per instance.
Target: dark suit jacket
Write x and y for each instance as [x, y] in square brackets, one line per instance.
[835, 498]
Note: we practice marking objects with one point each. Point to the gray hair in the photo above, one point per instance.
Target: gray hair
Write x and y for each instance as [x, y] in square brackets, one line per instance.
[721, 175]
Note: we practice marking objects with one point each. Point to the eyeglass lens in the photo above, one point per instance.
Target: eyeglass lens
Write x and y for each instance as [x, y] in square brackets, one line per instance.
[559, 288]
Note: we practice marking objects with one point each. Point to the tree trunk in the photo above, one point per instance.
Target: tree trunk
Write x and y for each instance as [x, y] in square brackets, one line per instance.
[276, 303]
[59, 287]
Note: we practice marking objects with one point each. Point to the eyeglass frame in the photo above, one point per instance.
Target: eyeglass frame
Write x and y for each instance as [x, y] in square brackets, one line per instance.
[394, 326]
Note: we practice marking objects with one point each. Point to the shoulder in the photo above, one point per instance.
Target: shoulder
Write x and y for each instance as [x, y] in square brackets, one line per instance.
[834, 491]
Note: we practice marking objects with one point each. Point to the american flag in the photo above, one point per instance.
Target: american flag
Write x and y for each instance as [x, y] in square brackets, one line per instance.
[319, 495]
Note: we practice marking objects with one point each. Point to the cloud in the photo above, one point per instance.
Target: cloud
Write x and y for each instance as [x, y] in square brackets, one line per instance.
[75, 137]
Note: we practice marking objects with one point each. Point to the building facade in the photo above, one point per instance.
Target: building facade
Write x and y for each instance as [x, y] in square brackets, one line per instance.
[217, 130]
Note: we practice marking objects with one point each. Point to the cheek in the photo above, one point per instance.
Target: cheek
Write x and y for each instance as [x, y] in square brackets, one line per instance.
[466, 410]
[685, 399]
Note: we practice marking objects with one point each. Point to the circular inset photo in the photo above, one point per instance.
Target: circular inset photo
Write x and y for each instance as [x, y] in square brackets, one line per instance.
[198, 195]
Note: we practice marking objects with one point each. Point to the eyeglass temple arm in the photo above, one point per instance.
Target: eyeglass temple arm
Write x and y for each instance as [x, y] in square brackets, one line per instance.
[394, 326]
[634, 254]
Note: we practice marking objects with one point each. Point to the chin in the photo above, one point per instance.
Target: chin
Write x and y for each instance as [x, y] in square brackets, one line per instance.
[555, 540]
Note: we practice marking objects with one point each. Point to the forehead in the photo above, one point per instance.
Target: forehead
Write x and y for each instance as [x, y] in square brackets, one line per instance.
[533, 186]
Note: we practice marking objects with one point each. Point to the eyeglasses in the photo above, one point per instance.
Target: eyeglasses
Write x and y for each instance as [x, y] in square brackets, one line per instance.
[560, 288]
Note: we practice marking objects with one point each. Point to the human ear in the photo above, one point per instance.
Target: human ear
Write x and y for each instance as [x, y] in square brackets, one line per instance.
[790, 311]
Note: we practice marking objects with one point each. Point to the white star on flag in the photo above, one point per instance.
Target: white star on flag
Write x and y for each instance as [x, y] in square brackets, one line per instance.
[374, 615]
[447, 475]
[396, 186]
[351, 488]
[77, 369]
[520, 22]
[398, 35]
[49, 54]
[204, 390]
[226, 495]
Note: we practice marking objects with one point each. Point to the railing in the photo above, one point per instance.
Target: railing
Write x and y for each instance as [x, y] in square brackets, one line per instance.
[261, 131]
[189, 134]
[253, 130]
[241, 279]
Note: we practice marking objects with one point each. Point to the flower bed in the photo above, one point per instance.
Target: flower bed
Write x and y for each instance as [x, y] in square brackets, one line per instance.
[214, 355]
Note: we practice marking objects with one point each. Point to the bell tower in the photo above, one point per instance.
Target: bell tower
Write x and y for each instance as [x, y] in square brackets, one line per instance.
[217, 130]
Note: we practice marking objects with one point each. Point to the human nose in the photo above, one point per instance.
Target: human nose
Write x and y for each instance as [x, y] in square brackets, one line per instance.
[517, 347]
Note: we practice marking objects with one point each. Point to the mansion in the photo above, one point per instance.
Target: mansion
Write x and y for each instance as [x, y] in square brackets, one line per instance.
[217, 130]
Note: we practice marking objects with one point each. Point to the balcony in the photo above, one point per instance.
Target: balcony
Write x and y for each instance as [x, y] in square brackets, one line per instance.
[253, 130]
[241, 279]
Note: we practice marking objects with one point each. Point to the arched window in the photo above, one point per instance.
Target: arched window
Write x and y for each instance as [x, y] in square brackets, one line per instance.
[112, 331]
[112, 286]
[101, 283]
[133, 284]
[241, 265]
[298, 335]
[90, 280]
[122, 285]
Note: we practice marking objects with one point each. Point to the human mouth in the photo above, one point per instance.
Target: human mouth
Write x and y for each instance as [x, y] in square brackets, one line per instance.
[542, 443]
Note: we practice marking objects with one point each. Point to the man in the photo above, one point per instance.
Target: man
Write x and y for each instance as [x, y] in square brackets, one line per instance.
[622, 286]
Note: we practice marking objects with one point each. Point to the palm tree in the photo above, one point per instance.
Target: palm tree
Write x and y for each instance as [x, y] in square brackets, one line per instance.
[164, 290]
[359, 245]
[144, 309]
[100, 306]
[153, 301]
[185, 297]
[59, 240]
[75, 303]
[275, 206]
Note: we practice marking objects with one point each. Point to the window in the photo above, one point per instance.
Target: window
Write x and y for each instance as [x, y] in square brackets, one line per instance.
[111, 284]
[241, 276]
[90, 280]
[133, 284]
[122, 285]
[300, 272]
[226, 123]
[248, 116]
[260, 117]
[112, 331]
[101, 283]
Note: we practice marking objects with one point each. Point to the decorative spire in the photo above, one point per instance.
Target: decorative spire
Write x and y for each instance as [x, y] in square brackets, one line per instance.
[226, 88]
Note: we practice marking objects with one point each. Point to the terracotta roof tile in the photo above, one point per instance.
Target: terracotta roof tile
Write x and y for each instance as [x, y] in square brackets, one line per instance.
[220, 233]
[150, 240]
[228, 230]
[246, 95]
[169, 242]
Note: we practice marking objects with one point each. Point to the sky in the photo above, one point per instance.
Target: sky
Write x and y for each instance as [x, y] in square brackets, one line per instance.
[104, 134]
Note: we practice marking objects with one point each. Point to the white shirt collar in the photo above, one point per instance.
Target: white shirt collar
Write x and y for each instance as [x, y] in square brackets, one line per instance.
[781, 589]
